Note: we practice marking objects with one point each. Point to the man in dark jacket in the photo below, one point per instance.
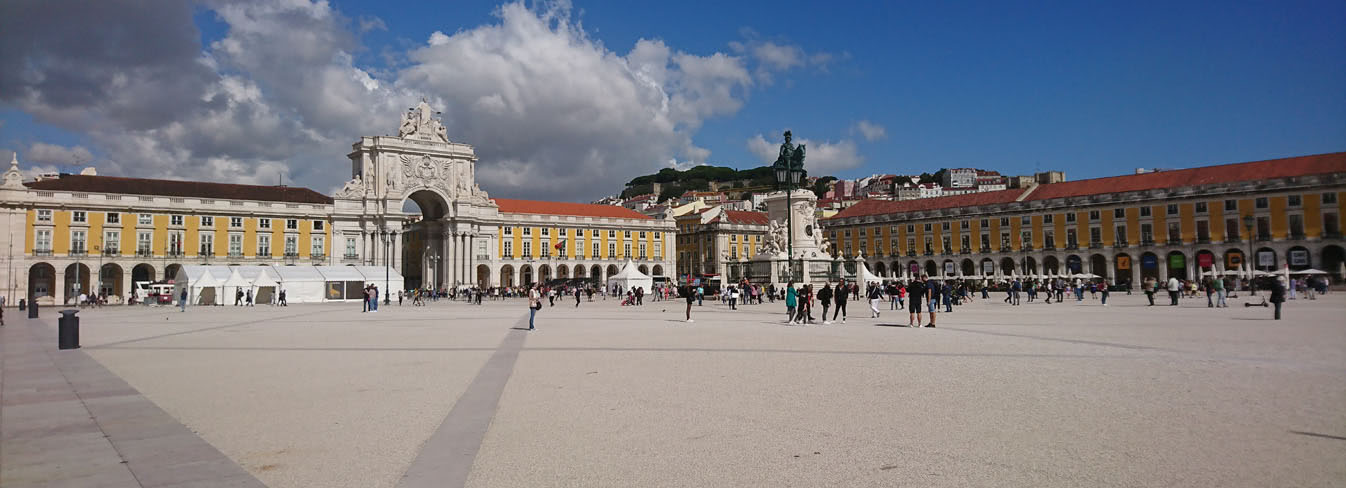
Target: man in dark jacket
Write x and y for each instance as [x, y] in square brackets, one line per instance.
[1277, 296]
[825, 298]
[843, 292]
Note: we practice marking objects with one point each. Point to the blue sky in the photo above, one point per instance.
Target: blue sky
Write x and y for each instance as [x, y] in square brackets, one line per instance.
[1090, 88]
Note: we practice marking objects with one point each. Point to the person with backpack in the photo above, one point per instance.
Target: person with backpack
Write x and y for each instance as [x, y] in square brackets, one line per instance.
[534, 304]
[825, 298]
[875, 297]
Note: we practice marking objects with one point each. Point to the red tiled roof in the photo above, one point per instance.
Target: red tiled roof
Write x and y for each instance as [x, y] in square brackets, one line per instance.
[881, 207]
[508, 205]
[746, 217]
[1207, 175]
[175, 188]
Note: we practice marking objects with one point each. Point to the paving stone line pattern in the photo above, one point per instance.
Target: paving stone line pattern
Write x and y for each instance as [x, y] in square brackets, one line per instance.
[446, 458]
[68, 421]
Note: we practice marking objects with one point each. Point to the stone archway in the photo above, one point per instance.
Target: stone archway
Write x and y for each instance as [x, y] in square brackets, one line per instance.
[1074, 265]
[526, 275]
[969, 267]
[562, 272]
[1298, 257]
[1007, 266]
[483, 275]
[142, 272]
[596, 272]
[645, 270]
[1234, 259]
[76, 282]
[948, 268]
[1051, 266]
[579, 272]
[1149, 266]
[880, 269]
[1177, 265]
[171, 271]
[931, 269]
[42, 283]
[612, 270]
[507, 276]
[658, 270]
[1332, 259]
[110, 281]
[1030, 265]
[1122, 266]
[1265, 259]
[543, 273]
[1098, 264]
[987, 267]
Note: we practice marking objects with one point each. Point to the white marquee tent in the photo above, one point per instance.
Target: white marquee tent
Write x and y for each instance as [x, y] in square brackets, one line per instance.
[392, 281]
[203, 283]
[302, 284]
[629, 278]
[233, 284]
[864, 276]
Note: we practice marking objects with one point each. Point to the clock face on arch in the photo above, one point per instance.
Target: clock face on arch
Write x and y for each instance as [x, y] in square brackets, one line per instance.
[808, 230]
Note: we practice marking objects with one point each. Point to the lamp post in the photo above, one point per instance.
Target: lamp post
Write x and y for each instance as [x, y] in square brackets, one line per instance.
[388, 237]
[788, 178]
[1248, 222]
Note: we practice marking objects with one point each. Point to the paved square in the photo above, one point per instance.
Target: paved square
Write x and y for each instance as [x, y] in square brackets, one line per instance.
[1070, 394]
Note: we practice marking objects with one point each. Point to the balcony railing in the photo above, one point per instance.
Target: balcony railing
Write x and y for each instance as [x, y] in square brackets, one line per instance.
[985, 249]
[965, 250]
[946, 251]
[42, 252]
[1005, 248]
[929, 252]
[1332, 235]
[1049, 247]
[911, 253]
[264, 254]
[1096, 245]
[1072, 246]
[1263, 237]
[1119, 243]
[111, 250]
[235, 254]
[1203, 240]
[1299, 236]
[144, 253]
[291, 254]
[1175, 241]
[78, 251]
[1026, 248]
[1145, 241]
[175, 253]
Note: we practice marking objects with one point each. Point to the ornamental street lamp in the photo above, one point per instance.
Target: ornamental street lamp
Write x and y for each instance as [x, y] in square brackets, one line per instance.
[789, 169]
[388, 237]
[1248, 222]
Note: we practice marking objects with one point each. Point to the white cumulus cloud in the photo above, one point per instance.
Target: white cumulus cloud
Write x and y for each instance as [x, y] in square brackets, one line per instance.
[871, 131]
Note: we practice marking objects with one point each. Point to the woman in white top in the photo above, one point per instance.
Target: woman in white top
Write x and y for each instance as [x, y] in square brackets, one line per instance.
[534, 303]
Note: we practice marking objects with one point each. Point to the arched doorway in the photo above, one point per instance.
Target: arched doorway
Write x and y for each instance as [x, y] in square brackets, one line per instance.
[948, 268]
[969, 268]
[596, 272]
[1298, 258]
[1333, 258]
[142, 272]
[1099, 265]
[526, 275]
[1234, 259]
[1051, 266]
[543, 274]
[562, 272]
[110, 281]
[1007, 266]
[1122, 264]
[483, 275]
[579, 272]
[507, 276]
[931, 269]
[896, 269]
[1074, 265]
[987, 267]
[42, 283]
[1177, 265]
[1265, 259]
[1205, 261]
[76, 282]
[1149, 266]
[612, 270]
[1030, 265]
[913, 269]
[658, 270]
[421, 258]
[880, 269]
[645, 270]
[171, 271]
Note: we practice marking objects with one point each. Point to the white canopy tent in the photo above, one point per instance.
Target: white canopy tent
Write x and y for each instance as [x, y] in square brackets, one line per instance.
[234, 284]
[629, 278]
[1309, 271]
[342, 282]
[203, 283]
[264, 284]
[864, 276]
[301, 284]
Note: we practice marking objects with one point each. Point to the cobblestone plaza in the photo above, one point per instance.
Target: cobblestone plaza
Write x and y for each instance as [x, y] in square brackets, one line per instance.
[451, 394]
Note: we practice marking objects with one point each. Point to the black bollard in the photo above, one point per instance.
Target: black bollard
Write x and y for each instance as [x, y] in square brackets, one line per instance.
[23, 305]
[68, 330]
[32, 309]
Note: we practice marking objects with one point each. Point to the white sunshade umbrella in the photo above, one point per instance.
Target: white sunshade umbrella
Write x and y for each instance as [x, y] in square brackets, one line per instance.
[1309, 271]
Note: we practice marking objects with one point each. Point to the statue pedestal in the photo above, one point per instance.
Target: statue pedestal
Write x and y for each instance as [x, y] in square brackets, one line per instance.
[794, 234]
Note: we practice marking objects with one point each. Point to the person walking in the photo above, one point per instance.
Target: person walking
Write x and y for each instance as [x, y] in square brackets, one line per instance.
[1148, 286]
[791, 302]
[1218, 284]
[932, 292]
[840, 298]
[825, 298]
[283, 303]
[689, 294]
[238, 297]
[1277, 296]
[1103, 289]
[249, 297]
[364, 300]
[182, 301]
[916, 300]
[577, 297]
[1174, 289]
[733, 297]
[946, 291]
[534, 304]
[875, 298]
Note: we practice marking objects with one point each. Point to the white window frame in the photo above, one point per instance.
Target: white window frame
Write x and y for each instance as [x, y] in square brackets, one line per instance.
[112, 218]
[264, 245]
[79, 216]
[207, 221]
[291, 245]
[113, 239]
[317, 245]
[175, 220]
[264, 223]
[235, 222]
[42, 240]
[43, 215]
[235, 244]
[145, 219]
